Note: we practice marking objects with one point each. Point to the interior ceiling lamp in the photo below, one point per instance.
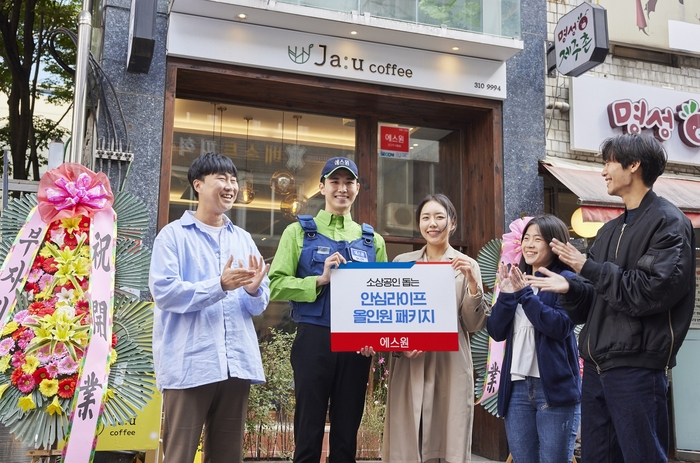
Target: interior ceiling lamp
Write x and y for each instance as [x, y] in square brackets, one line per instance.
[293, 205]
[295, 152]
[246, 194]
[282, 182]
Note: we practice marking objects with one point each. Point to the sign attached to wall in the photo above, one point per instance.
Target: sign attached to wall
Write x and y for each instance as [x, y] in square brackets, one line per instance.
[581, 39]
[231, 42]
[394, 306]
[652, 24]
[602, 108]
[393, 142]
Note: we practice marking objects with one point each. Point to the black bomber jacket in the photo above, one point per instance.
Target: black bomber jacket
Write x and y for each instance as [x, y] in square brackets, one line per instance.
[636, 291]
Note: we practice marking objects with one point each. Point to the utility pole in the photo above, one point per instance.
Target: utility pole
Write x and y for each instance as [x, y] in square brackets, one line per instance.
[81, 66]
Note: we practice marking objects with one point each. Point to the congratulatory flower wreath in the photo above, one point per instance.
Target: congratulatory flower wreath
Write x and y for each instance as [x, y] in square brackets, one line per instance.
[75, 347]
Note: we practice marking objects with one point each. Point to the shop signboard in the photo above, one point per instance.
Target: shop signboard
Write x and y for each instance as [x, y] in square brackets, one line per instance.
[581, 39]
[142, 433]
[285, 50]
[394, 142]
[397, 306]
[602, 108]
[665, 26]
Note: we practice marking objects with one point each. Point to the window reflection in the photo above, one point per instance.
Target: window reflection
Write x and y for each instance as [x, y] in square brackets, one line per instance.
[412, 163]
[279, 156]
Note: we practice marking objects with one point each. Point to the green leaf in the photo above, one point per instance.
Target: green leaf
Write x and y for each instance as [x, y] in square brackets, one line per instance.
[133, 263]
[132, 216]
[488, 259]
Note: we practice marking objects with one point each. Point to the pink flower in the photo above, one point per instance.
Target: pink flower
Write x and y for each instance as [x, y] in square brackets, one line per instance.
[26, 383]
[34, 275]
[512, 247]
[6, 345]
[18, 359]
[381, 360]
[44, 354]
[25, 338]
[52, 369]
[60, 350]
[45, 280]
[67, 366]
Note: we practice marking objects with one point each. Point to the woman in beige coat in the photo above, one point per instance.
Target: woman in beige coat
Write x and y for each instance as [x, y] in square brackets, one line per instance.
[430, 405]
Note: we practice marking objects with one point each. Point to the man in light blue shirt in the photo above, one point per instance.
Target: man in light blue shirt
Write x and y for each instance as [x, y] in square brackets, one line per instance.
[205, 349]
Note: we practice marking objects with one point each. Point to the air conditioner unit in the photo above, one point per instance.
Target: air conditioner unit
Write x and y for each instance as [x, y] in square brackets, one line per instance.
[400, 218]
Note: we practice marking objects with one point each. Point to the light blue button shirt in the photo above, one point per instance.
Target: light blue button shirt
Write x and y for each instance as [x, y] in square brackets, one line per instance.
[201, 333]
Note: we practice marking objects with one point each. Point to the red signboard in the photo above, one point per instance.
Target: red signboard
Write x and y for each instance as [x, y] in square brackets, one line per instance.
[394, 139]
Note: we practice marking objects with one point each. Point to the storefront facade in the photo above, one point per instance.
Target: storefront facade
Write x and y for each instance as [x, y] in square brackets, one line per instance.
[420, 108]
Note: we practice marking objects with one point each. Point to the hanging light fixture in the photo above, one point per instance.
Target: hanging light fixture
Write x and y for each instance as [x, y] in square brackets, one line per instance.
[282, 181]
[246, 193]
[296, 152]
[293, 205]
[221, 109]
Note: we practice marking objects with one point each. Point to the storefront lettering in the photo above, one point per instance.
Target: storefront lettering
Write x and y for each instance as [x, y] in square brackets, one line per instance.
[635, 116]
[336, 61]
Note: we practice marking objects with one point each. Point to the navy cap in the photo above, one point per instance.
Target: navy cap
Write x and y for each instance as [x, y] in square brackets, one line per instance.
[336, 163]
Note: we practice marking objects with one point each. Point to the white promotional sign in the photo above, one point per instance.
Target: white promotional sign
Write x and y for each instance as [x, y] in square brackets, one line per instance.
[603, 108]
[395, 306]
[232, 42]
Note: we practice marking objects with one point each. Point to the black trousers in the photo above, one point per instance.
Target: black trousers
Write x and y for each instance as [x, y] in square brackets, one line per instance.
[321, 376]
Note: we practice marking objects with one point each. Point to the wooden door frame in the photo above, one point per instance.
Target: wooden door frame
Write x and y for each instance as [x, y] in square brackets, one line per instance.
[480, 121]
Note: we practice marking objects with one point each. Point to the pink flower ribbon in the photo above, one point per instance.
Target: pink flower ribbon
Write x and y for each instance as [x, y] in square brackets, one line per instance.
[72, 190]
[70, 194]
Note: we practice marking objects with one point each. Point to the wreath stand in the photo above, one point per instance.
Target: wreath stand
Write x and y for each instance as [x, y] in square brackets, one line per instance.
[42, 455]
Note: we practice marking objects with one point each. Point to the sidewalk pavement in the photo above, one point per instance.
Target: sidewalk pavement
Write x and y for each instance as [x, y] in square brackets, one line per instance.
[482, 459]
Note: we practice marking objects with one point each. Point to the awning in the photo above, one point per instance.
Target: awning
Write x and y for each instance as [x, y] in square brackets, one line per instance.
[598, 206]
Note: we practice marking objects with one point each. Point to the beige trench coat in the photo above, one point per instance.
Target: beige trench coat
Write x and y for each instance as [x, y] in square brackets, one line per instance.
[436, 387]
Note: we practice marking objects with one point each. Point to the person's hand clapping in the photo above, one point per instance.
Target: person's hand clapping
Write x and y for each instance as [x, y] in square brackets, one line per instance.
[258, 266]
[568, 254]
[552, 282]
[233, 278]
[503, 275]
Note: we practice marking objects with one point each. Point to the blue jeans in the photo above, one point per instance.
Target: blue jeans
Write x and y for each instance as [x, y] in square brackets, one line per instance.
[625, 416]
[536, 431]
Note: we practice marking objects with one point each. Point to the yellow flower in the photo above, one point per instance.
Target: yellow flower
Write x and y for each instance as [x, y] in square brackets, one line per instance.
[10, 328]
[30, 365]
[49, 387]
[54, 407]
[109, 395]
[3, 388]
[5, 363]
[81, 267]
[62, 326]
[72, 224]
[112, 357]
[26, 403]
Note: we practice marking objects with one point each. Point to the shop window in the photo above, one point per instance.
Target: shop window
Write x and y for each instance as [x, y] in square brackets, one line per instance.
[279, 156]
[494, 17]
[412, 163]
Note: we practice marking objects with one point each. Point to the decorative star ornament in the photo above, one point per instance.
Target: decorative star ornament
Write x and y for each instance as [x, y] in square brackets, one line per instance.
[296, 156]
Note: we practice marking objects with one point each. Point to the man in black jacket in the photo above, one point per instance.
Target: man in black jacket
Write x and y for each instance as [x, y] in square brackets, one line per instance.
[636, 294]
